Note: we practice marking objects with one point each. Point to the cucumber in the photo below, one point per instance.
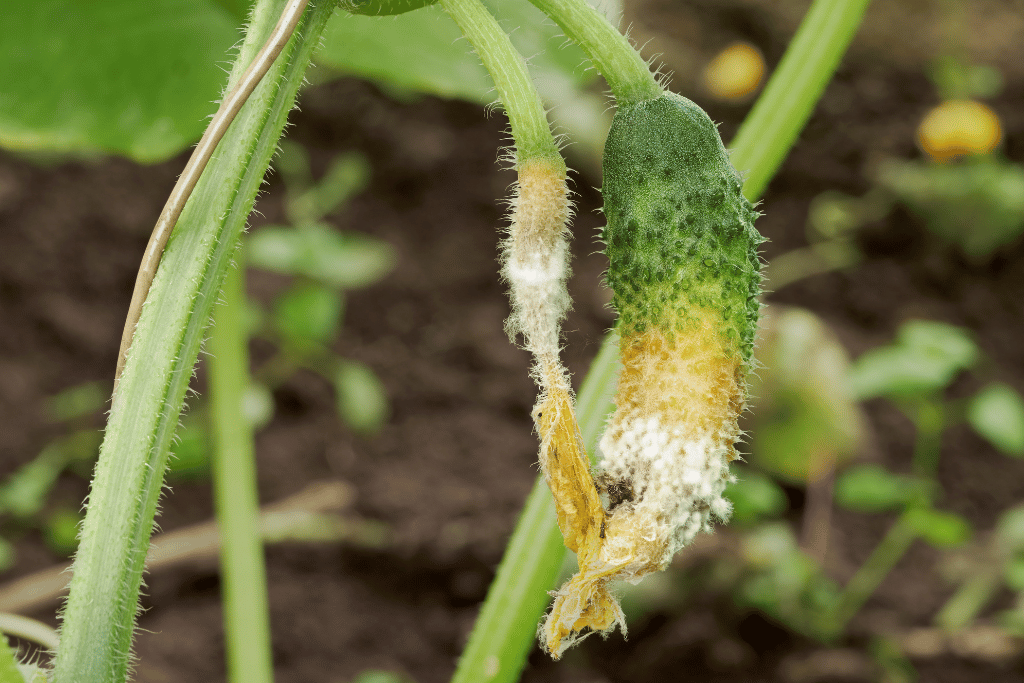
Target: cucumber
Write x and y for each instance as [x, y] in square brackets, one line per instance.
[685, 274]
[680, 235]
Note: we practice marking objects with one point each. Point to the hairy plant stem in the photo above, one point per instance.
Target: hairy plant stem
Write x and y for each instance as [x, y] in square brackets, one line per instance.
[627, 73]
[500, 639]
[229, 108]
[243, 572]
[98, 620]
[519, 97]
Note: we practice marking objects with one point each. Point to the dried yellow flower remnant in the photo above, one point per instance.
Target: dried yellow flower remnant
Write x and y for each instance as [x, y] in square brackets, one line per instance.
[535, 264]
[563, 459]
[665, 464]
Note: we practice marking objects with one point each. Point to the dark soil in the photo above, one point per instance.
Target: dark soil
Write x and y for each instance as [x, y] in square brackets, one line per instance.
[452, 467]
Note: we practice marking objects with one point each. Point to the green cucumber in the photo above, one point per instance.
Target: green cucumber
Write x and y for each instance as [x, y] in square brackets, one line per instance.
[680, 235]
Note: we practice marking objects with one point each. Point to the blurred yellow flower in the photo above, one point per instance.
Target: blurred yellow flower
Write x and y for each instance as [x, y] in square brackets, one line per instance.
[958, 128]
[735, 72]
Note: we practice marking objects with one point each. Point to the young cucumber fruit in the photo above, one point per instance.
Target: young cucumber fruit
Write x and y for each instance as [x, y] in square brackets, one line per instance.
[680, 236]
[685, 275]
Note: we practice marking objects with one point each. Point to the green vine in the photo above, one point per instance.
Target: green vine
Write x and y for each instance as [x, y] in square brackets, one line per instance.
[98, 619]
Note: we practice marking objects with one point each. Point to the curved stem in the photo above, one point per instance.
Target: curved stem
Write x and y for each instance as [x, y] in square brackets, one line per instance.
[29, 629]
[229, 108]
[519, 97]
[627, 73]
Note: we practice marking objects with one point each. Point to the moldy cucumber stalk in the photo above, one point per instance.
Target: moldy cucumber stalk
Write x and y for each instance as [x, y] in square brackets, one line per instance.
[685, 273]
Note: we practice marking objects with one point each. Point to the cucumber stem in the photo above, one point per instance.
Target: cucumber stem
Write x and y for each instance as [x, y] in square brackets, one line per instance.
[246, 611]
[627, 73]
[519, 97]
[99, 616]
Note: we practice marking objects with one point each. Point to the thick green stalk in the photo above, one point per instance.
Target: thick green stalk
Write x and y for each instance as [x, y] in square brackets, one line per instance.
[793, 91]
[519, 97]
[99, 616]
[242, 569]
[621, 65]
[504, 635]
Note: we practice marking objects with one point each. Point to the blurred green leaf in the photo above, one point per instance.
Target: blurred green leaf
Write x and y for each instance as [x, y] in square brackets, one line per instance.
[754, 497]
[1014, 574]
[78, 401]
[1010, 530]
[785, 583]
[8, 554]
[292, 163]
[347, 175]
[117, 76]
[61, 532]
[190, 454]
[888, 655]
[24, 493]
[253, 317]
[977, 205]
[949, 342]
[939, 528]
[924, 359]
[345, 260]
[362, 401]
[308, 314]
[997, 413]
[769, 544]
[870, 488]
[423, 51]
[958, 80]
[804, 418]
[833, 214]
[238, 8]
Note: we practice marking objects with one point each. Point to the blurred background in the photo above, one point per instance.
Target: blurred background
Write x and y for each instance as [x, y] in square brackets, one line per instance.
[878, 531]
